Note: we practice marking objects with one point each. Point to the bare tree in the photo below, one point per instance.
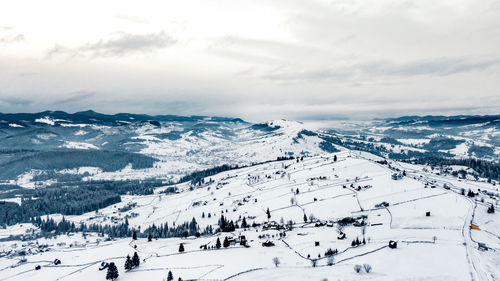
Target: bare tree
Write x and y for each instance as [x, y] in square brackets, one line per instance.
[312, 218]
[357, 268]
[314, 262]
[330, 260]
[367, 267]
[434, 238]
[276, 261]
[340, 227]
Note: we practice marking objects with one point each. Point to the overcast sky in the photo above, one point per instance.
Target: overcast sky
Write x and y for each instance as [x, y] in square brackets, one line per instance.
[255, 59]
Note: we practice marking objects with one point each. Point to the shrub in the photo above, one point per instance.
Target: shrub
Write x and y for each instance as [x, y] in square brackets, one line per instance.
[276, 261]
[367, 267]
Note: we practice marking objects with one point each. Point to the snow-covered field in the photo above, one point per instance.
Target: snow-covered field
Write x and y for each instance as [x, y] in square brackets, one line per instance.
[441, 246]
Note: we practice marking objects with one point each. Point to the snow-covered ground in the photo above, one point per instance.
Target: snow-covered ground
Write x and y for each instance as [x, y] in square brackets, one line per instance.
[441, 246]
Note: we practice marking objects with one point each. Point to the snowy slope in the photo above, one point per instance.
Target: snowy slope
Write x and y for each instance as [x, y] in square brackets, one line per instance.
[437, 247]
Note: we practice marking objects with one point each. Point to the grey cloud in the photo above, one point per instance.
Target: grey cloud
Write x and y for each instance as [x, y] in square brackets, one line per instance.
[119, 44]
[27, 74]
[70, 101]
[257, 50]
[320, 74]
[75, 98]
[436, 67]
[440, 67]
[61, 50]
[13, 104]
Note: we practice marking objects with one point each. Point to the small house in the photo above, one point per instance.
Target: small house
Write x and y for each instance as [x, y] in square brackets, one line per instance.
[427, 214]
[104, 265]
[482, 246]
[397, 176]
[267, 244]
[393, 244]
[473, 226]
[316, 243]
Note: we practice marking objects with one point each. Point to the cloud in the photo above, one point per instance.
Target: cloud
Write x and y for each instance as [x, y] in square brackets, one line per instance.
[27, 74]
[320, 74]
[9, 102]
[72, 101]
[12, 39]
[118, 44]
[435, 67]
[7, 37]
[296, 59]
[73, 98]
[131, 18]
[439, 66]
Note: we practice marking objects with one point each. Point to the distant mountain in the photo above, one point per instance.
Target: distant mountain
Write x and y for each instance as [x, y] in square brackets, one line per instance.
[41, 146]
[457, 119]
[41, 149]
[92, 117]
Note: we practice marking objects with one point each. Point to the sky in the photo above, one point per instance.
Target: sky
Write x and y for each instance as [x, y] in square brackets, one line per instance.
[258, 60]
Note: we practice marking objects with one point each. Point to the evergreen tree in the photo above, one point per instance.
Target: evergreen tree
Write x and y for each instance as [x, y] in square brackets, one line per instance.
[268, 214]
[305, 218]
[226, 242]
[181, 248]
[112, 273]
[136, 260]
[231, 226]
[244, 223]
[335, 158]
[193, 227]
[128, 263]
[471, 193]
[134, 235]
[491, 209]
[217, 244]
[150, 237]
[170, 276]
[222, 223]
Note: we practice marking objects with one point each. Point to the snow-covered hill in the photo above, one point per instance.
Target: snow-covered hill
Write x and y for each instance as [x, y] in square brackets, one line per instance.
[424, 212]
[176, 145]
